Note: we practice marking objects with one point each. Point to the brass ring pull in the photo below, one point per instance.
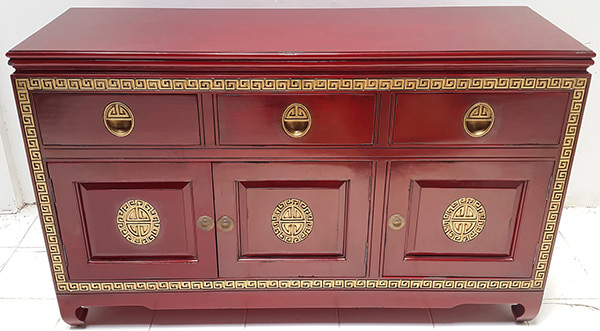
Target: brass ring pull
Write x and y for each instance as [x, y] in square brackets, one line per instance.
[205, 223]
[118, 119]
[296, 120]
[225, 223]
[396, 222]
[478, 120]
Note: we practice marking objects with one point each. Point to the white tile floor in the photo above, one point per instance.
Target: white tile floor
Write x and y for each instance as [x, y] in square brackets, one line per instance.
[571, 301]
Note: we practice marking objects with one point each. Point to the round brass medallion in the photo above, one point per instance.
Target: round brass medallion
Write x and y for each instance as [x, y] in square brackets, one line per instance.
[479, 120]
[296, 120]
[138, 222]
[292, 220]
[464, 219]
[118, 119]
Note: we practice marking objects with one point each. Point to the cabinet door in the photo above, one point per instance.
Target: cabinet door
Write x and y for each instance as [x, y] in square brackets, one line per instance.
[135, 220]
[292, 219]
[466, 219]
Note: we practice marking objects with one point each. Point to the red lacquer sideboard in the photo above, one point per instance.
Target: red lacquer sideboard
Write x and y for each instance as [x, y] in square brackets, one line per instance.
[213, 159]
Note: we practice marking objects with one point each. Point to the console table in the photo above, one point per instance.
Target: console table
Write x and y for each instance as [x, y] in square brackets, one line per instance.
[211, 159]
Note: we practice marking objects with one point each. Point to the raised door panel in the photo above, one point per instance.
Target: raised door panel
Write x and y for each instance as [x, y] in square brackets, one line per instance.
[293, 219]
[465, 218]
[135, 220]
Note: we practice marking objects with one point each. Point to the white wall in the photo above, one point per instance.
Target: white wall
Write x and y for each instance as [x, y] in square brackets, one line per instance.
[19, 19]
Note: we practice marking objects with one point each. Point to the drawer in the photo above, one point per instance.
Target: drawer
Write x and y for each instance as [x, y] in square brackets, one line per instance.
[135, 220]
[480, 118]
[296, 119]
[290, 220]
[118, 119]
[465, 219]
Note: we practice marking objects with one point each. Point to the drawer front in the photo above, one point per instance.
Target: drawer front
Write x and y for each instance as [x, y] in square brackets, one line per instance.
[471, 219]
[311, 218]
[480, 118]
[134, 220]
[118, 119]
[296, 119]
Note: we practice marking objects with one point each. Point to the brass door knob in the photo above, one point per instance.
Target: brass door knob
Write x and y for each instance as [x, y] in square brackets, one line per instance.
[296, 120]
[205, 223]
[225, 223]
[396, 222]
[118, 119]
[479, 119]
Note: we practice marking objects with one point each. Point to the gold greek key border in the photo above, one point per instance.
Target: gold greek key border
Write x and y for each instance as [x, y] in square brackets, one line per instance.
[23, 87]
[298, 84]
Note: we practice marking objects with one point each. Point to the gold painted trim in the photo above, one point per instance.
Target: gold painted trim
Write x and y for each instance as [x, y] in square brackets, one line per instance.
[24, 86]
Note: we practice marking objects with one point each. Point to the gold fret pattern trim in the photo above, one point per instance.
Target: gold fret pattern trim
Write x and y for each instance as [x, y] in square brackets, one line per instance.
[575, 85]
[298, 84]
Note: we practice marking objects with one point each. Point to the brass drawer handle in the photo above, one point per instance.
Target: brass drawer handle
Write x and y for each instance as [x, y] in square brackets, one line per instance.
[396, 222]
[478, 120]
[225, 223]
[118, 119]
[296, 120]
[205, 223]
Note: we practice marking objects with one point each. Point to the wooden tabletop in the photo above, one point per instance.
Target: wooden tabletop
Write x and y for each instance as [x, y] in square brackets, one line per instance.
[480, 33]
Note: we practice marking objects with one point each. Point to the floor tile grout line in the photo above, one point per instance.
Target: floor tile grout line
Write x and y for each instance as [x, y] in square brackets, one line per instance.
[28, 229]
[57, 323]
[576, 305]
[575, 253]
[37, 217]
[20, 241]
[14, 249]
[431, 317]
[20, 209]
[569, 299]
[28, 299]
[152, 320]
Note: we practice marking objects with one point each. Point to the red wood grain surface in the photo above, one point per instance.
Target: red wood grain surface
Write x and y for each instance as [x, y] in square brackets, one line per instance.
[336, 119]
[341, 219]
[180, 193]
[287, 33]
[77, 119]
[506, 246]
[520, 118]
[369, 154]
[368, 40]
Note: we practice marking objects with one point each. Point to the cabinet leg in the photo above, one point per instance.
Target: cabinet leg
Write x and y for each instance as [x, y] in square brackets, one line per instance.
[72, 314]
[526, 311]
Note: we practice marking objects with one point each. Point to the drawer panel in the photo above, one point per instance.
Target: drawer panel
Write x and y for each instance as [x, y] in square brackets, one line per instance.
[296, 119]
[135, 119]
[518, 118]
[465, 219]
[311, 218]
[135, 220]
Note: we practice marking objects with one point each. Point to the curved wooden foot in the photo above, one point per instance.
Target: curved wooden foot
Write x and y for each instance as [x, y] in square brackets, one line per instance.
[526, 312]
[72, 314]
